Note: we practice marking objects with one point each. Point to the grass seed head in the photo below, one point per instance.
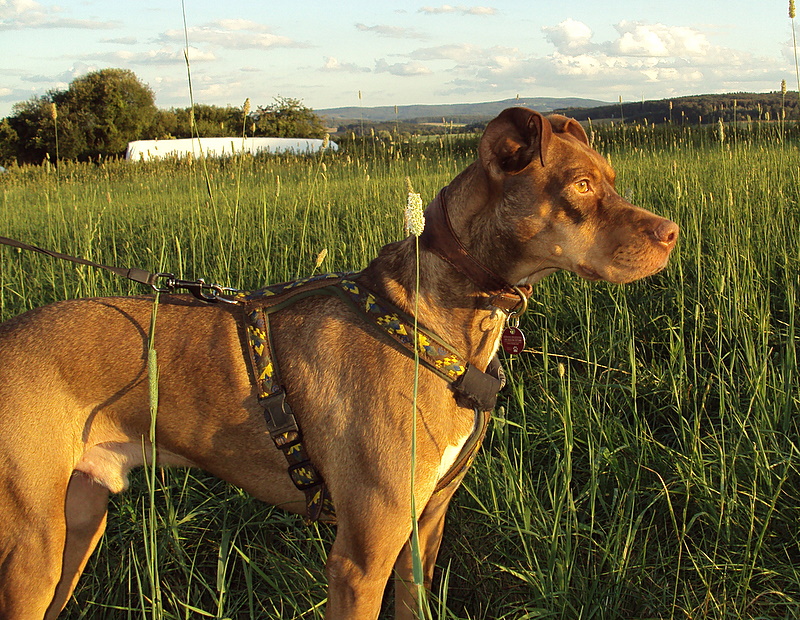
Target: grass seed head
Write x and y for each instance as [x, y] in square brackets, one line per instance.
[415, 219]
[320, 258]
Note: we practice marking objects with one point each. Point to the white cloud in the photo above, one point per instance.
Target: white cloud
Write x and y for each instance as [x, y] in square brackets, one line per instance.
[463, 10]
[17, 95]
[215, 91]
[401, 68]
[27, 14]
[238, 34]
[468, 55]
[660, 41]
[462, 53]
[654, 60]
[240, 24]
[121, 40]
[333, 64]
[62, 79]
[162, 56]
[394, 32]
[570, 36]
[12, 8]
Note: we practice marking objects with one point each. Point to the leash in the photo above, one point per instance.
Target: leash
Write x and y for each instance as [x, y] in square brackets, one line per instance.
[159, 282]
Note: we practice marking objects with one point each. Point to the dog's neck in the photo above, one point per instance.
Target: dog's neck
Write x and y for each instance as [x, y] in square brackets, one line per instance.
[440, 238]
[450, 303]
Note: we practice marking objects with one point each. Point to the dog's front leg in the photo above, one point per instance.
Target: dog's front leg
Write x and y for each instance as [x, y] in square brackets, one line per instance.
[368, 540]
[431, 528]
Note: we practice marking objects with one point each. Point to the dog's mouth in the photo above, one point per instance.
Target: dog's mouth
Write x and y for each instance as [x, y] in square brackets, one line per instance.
[626, 264]
[628, 273]
[587, 273]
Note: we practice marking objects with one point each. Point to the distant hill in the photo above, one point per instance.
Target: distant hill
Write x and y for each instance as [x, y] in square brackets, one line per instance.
[456, 112]
[695, 109]
[692, 110]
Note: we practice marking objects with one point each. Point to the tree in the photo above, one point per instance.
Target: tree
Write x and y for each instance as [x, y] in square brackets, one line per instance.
[288, 118]
[102, 111]
[109, 108]
[32, 125]
[8, 143]
[97, 115]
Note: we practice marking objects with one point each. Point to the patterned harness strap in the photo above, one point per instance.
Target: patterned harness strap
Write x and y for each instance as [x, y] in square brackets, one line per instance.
[477, 388]
[280, 420]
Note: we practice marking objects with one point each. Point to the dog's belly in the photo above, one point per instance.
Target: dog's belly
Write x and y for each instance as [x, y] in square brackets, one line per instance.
[109, 463]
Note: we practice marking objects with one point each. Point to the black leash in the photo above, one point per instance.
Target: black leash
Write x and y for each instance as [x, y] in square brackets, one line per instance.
[159, 282]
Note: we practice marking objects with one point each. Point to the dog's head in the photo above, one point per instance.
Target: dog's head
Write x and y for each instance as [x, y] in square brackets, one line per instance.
[559, 207]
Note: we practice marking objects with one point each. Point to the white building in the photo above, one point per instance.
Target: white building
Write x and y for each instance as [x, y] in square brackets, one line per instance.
[144, 150]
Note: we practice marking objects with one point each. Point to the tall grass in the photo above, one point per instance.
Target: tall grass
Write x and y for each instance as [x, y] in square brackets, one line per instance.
[644, 462]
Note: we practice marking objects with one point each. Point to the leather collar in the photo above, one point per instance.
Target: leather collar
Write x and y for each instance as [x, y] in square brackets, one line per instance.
[439, 237]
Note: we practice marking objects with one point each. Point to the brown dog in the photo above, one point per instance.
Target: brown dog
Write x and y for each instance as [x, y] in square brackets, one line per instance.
[74, 392]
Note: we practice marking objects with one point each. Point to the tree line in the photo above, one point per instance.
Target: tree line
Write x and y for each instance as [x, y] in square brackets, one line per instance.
[698, 109]
[100, 112]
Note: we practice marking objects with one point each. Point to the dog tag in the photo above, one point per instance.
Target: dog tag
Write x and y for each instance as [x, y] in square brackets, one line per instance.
[512, 340]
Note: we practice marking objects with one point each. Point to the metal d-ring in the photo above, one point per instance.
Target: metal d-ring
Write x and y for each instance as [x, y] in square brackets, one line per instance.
[515, 314]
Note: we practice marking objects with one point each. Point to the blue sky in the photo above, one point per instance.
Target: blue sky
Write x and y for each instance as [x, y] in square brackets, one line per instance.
[326, 52]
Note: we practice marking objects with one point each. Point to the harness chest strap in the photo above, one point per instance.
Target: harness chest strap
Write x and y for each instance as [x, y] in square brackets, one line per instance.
[280, 420]
[477, 388]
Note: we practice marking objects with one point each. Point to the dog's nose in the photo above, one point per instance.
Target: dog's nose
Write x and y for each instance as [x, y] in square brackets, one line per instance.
[666, 232]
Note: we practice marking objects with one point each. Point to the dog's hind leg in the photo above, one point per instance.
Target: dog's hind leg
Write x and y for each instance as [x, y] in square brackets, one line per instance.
[32, 537]
[85, 510]
[430, 528]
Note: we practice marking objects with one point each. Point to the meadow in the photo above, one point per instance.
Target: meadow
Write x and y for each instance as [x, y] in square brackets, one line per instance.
[643, 463]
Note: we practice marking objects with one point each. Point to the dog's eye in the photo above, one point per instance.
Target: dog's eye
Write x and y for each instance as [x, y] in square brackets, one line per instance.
[583, 186]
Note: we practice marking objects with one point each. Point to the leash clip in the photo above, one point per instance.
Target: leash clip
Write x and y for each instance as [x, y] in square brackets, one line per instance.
[209, 293]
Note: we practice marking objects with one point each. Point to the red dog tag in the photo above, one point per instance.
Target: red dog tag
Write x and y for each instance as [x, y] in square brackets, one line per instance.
[512, 340]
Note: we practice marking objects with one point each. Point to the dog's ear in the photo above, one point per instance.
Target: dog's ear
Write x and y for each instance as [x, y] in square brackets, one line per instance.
[512, 141]
[564, 124]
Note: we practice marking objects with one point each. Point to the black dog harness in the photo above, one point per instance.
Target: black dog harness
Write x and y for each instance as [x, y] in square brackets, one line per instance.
[471, 386]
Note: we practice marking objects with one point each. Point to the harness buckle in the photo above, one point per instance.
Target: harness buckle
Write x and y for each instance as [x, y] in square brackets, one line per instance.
[280, 420]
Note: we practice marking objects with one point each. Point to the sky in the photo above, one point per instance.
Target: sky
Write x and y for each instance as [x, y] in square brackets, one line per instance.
[369, 53]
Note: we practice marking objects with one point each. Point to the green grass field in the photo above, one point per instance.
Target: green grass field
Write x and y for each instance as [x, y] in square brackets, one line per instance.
[644, 462]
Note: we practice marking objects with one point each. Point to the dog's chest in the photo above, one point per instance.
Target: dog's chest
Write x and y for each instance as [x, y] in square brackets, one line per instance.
[452, 451]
